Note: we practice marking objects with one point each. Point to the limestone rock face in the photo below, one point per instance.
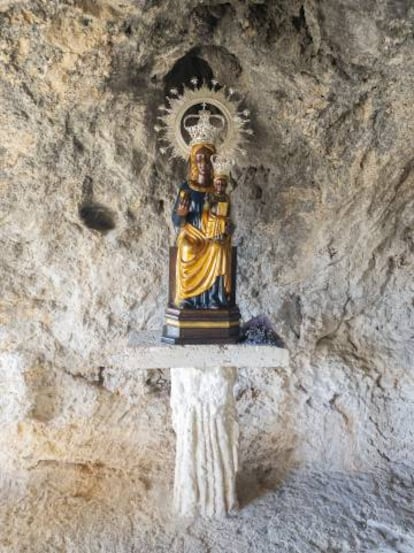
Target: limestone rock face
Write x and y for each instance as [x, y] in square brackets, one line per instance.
[324, 208]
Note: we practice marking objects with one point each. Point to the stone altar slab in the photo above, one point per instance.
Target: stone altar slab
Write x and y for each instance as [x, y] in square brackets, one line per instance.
[145, 351]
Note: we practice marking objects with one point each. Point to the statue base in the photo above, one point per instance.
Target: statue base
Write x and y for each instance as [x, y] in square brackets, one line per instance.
[201, 326]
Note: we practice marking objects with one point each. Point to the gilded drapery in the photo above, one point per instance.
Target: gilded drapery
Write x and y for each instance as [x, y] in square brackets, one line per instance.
[201, 259]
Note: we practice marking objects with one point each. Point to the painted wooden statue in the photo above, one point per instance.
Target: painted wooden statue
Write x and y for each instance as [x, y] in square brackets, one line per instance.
[201, 216]
[202, 307]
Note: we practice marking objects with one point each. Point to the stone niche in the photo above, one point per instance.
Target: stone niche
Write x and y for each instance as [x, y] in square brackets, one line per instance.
[323, 204]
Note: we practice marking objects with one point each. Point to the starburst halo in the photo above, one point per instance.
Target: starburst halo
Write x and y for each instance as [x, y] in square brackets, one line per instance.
[225, 101]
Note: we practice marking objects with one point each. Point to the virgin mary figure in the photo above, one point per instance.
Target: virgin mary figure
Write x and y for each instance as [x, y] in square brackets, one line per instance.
[203, 266]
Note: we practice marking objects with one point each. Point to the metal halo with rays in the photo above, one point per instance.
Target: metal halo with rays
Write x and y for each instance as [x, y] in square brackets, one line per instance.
[223, 99]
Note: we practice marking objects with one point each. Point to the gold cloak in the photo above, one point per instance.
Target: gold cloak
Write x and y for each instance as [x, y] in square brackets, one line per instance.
[201, 259]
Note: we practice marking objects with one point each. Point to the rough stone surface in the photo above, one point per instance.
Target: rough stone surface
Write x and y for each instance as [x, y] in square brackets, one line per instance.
[325, 226]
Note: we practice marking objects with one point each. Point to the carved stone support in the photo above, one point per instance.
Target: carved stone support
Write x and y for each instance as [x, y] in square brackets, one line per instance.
[203, 411]
[204, 420]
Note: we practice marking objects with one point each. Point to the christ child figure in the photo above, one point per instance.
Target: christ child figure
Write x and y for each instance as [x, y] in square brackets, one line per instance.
[216, 211]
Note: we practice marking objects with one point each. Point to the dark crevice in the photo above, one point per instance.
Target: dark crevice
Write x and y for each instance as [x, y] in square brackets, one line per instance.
[299, 22]
[184, 69]
[93, 214]
[97, 216]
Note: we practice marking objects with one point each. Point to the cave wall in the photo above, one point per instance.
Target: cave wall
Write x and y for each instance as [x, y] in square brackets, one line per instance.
[323, 206]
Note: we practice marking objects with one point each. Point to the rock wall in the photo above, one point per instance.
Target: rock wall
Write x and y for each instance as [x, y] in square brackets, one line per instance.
[323, 205]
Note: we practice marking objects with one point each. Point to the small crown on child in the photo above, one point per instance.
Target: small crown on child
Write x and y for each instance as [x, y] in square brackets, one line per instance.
[221, 165]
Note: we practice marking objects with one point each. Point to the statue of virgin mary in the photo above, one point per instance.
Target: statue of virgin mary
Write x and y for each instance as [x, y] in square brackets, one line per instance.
[206, 127]
[203, 266]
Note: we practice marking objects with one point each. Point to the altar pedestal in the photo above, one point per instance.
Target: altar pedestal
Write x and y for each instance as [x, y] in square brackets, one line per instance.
[205, 423]
[203, 414]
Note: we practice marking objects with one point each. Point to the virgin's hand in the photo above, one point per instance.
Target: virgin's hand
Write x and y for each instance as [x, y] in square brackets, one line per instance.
[183, 208]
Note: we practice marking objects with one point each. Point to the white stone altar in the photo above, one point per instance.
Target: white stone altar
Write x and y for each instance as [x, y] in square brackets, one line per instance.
[203, 414]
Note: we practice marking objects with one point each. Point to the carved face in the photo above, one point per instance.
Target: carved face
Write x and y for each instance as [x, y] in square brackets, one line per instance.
[203, 163]
[220, 185]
